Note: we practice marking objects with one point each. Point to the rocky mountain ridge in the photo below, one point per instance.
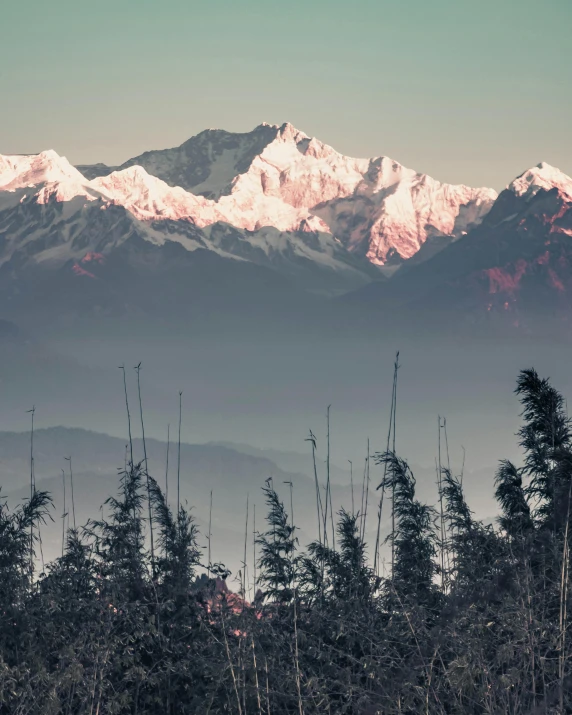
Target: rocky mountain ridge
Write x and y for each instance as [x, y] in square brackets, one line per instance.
[273, 196]
[279, 200]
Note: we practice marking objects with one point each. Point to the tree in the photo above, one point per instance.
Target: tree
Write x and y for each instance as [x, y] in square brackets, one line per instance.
[277, 547]
[414, 538]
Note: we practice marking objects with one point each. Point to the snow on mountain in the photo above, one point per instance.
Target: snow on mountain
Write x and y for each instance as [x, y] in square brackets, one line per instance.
[207, 163]
[541, 176]
[279, 176]
[20, 171]
[514, 268]
[272, 196]
[60, 220]
[149, 198]
[393, 222]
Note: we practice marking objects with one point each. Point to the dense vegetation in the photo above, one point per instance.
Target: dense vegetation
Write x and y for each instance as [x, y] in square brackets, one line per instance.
[469, 619]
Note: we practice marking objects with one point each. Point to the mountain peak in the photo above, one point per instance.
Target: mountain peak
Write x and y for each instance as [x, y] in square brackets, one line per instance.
[543, 176]
[146, 196]
[132, 173]
[22, 170]
[289, 132]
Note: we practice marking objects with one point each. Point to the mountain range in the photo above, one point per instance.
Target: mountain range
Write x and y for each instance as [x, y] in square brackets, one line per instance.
[270, 214]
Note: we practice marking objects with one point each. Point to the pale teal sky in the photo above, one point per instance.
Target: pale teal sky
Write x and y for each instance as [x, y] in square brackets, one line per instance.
[466, 91]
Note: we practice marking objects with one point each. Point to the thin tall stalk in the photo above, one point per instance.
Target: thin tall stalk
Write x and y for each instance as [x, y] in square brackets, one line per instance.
[69, 459]
[393, 488]
[381, 498]
[362, 503]
[179, 456]
[256, 683]
[167, 467]
[446, 443]
[231, 666]
[32, 490]
[244, 561]
[352, 485]
[295, 608]
[254, 550]
[563, 615]
[149, 505]
[328, 482]
[445, 528]
[319, 509]
[441, 511]
[291, 487]
[122, 367]
[366, 493]
[267, 687]
[297, 658]
[64, 513]
[210, 533]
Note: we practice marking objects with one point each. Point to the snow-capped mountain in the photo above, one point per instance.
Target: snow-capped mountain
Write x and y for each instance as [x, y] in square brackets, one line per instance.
[514, 268]
[272, 197]
[50, 214]
[280, 177]
[21, 171]
[541, 176]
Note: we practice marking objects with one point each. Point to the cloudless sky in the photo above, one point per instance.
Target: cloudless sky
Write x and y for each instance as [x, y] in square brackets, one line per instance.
[467, 91]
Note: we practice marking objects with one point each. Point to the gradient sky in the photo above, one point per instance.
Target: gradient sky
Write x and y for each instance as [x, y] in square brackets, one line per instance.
[467, 91]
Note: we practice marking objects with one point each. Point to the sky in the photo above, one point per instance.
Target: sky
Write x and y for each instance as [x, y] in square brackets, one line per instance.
[469, 92]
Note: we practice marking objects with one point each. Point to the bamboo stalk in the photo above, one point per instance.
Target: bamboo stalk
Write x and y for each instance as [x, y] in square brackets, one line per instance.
[149, 505]
[32, 490]
[393, 488]
[362, 502]
[64, 513]
[563, 615]
[352, 485]
[381, 498]
[294, 601]
[244, 561]
[69, 459]
[254, 550]
[167, 467]
[233, 674]
[364, 524]
[328, 484]
[179, 457]
[122, 367]
[319, 508]
[258, 699]
[210, 532]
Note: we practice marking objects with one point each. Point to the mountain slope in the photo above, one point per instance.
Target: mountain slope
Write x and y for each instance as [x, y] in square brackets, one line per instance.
[63, 217]
[376, 207]
[515, 269]
[284, 202]
[273, 196]
[226, 473]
